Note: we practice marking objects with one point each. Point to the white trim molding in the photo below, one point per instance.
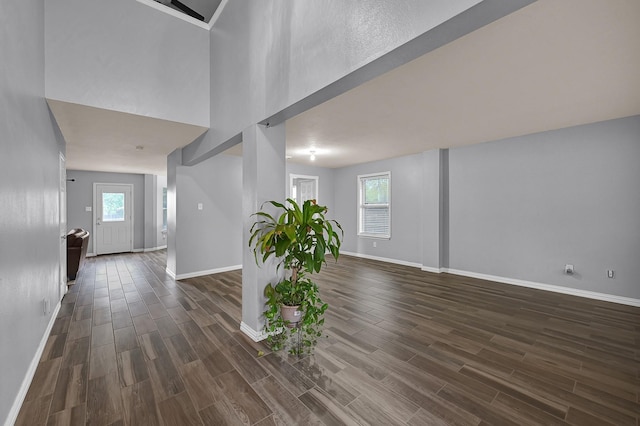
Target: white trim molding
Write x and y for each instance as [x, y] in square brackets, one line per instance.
[207, 272]
[254, 335]
[28, 378]
[432, 269]
[522, 283]
[382, 259]
[170, 273]
[154, 248]
[548, 287]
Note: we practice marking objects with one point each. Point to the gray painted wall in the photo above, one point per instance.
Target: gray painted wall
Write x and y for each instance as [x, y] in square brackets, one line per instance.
[406, 200]
[80, 195]
[270, 57]
[524, 207]
[124, 56]
[294, 49]
[217, 183]
[29, 176]
[210, 238]
[519, 208]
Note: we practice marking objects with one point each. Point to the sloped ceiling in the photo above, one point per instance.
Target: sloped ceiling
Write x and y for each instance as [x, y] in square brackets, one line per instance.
[550, 65]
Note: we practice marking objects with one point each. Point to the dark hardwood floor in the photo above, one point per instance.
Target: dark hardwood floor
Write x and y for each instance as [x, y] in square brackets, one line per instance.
[131, 346]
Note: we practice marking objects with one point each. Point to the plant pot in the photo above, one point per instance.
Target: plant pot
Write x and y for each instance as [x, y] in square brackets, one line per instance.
[291, 315]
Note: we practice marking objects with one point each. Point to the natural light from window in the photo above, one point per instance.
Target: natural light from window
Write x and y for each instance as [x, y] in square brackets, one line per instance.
[374, 211]
[113, 206]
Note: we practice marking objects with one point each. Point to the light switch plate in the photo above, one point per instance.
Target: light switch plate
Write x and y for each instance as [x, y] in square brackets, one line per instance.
[88, 209]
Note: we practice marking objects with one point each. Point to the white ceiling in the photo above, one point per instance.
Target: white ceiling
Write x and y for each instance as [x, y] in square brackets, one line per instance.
[550, 65]
[104, 140]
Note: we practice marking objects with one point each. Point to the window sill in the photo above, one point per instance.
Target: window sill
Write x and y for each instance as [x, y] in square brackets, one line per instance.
[375, 237]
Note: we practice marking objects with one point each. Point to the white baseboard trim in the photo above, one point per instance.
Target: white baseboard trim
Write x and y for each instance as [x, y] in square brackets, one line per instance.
[432, 269]
[138, 250]
[26, 382]
[522, 283]
[207, 272]
[548, 287]
[254, 335]
[382, 259]
[170, 273]
[155, 248]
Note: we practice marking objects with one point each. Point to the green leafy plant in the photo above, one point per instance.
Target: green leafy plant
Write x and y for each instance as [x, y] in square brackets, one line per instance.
[299, 238]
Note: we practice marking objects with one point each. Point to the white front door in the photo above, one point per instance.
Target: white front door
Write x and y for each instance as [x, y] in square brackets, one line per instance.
[113, 218]
[62, 216]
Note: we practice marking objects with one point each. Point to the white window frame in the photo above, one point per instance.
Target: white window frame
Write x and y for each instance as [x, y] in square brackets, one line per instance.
[361, 205]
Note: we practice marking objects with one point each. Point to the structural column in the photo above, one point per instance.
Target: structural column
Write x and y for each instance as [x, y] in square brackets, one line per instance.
[263, 179]
[435, 210]
[174, 160]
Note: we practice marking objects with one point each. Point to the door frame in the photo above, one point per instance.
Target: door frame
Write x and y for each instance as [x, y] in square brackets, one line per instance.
[95, 208]
[62, 225]
[293, 176]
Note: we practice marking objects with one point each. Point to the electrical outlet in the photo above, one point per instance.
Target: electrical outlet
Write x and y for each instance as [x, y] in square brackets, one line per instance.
[610, 273]
[45, 306]
[568, 269]
[375, 244]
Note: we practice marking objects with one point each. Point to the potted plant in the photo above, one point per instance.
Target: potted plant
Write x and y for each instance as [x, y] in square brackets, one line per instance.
[299, 238]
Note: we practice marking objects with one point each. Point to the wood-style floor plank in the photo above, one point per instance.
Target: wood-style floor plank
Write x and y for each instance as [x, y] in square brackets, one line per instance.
[132, 346]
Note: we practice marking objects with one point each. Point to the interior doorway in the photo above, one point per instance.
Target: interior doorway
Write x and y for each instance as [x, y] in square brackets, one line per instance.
[303, 188]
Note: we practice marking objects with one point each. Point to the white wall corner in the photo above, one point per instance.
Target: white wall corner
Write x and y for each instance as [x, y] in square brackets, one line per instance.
[170, 273]
[254, 335]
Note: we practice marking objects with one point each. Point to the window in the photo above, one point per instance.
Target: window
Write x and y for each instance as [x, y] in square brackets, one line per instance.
[113, 206]
[164, 208]
[374, 206]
